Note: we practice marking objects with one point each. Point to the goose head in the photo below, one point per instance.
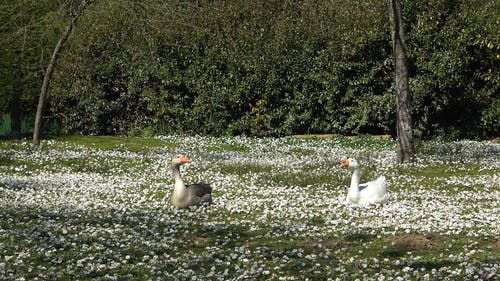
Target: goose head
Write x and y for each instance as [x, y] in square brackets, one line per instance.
[180, 159]
[350, 163]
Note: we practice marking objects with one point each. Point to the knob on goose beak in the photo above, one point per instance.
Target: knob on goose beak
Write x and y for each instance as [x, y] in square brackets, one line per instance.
[345, 163]
[184, 159]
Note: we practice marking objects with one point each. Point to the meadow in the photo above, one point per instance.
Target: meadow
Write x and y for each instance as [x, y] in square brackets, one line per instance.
[97, 208]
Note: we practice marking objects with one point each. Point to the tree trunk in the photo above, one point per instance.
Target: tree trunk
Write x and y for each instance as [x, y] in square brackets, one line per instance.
[406, 145]
[48, 75]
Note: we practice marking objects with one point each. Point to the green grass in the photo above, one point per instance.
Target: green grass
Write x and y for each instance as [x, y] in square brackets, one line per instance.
[281, 236]
[134, 144]
[365, 142]
[227, 147]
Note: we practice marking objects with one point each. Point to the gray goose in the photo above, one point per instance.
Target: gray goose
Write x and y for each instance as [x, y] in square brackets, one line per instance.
[188, 195]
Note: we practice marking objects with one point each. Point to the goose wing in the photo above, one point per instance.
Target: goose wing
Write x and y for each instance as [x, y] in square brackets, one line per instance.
[200, 189]
[374, 190]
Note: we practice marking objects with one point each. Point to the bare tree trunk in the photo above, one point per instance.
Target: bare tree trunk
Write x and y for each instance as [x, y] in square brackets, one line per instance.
[406, 145]
[48, 74]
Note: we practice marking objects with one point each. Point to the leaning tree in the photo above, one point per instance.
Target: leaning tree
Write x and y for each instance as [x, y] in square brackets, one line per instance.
[50, 70]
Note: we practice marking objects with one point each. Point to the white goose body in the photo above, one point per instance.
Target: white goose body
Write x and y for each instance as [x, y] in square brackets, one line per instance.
[366, 193]
[184, 196]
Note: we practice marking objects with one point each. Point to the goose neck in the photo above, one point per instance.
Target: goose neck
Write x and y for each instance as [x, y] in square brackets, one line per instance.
[176, 171]
[355, 180]
[179, 187]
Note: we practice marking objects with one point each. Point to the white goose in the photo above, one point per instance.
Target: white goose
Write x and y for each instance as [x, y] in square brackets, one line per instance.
[365, 193]
[185, 196]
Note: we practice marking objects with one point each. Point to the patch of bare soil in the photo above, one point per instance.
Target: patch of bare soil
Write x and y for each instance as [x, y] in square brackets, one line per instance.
[196, 240]
[318, 136]
[496, 245]
[416, 242]
[495, 140]
[329, 136]
[367, 219]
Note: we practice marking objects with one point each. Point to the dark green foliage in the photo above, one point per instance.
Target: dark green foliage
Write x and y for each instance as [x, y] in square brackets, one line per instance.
[262, 68]
[26, 34]
[454, 53]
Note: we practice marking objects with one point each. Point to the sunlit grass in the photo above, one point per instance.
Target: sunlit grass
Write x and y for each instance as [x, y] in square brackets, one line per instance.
[97, 208]
[133, 144]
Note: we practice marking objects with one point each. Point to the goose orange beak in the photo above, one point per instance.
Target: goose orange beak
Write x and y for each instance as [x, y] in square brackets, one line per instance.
[345, 163]
[184, 159]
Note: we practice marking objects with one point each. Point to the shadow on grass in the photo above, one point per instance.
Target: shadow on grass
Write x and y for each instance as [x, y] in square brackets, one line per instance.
[428, 265]
[14, 184]
[394, 252]
[359, 237]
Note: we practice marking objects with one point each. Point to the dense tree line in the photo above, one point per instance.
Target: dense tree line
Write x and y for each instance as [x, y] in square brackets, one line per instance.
[263, 67]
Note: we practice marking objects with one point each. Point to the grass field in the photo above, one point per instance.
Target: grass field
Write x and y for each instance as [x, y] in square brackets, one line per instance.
[97, 208]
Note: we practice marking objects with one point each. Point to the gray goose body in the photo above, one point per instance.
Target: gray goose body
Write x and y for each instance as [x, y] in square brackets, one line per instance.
[183, 195]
